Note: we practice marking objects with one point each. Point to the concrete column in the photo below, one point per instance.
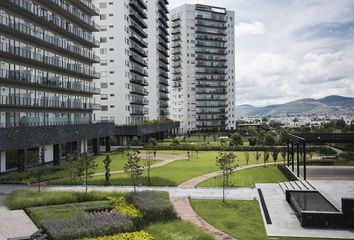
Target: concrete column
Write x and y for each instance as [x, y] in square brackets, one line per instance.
[298, 159]
[22, 158]
[108, 144]
[288, 151]
[292, 156]
[56, 154]
[304, 160]
[48, 153]
[2, 162]
[83, 144]
[96, 146]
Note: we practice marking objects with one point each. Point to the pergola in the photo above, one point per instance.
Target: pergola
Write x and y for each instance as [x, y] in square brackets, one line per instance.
[301, 139]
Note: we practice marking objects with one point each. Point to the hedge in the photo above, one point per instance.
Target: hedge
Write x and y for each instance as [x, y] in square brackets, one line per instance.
[125, 236]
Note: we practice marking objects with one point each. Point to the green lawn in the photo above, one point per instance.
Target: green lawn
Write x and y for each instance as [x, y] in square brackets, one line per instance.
[249, 177]
[118, 161]
[240, 219]
[179, 171]
[178, 230]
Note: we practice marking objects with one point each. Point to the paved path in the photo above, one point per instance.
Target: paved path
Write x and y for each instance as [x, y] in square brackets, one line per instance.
[195, 181]
[186, 212]
[328, 172]
[14, 223]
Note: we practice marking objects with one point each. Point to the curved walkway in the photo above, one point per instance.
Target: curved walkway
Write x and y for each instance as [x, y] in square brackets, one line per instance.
[165, 160]
[185, 212]
[195, 181]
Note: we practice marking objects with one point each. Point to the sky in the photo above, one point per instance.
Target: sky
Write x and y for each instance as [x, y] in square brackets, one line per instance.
[290, 49]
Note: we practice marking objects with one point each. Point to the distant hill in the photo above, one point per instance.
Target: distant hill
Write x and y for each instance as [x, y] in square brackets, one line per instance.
[308, 106]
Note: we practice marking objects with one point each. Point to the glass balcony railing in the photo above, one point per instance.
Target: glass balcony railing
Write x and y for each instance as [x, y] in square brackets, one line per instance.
[89, 5]
[139, 101]
[48, 82]
[62, 24]
[139, 90]
[16, 101]
[138, 80]
[42, 35]
[55, 61]
[75, 12]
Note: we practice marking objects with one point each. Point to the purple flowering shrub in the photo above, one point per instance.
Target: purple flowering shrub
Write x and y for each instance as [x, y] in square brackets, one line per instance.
[154, 206]
[88, 225]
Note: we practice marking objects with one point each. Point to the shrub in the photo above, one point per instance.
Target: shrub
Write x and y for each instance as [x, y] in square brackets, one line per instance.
[125, 236]
[123, 207]
[21, 199]
[153, 206]
[88, 225]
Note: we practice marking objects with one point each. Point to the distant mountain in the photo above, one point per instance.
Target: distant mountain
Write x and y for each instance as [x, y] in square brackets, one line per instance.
[308, 106]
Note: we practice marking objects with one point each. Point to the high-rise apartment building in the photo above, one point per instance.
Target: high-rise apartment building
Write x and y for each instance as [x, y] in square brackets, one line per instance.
[203, 67]
[158, 62]
[46, 78]
[134, 60]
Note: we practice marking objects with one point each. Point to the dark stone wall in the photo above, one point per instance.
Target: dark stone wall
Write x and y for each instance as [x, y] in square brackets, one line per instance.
[142, 130]
[30, 137]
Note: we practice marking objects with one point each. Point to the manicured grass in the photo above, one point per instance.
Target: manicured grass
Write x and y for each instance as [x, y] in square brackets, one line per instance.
[31, 198]
[39, 214]
[249, 177]
[179, 171]
[240, 219]
[178, 230]
[118, 161]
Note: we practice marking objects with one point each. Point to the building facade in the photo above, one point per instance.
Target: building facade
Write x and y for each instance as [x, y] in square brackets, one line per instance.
[203, 67]
[134, 61]
[46, 75]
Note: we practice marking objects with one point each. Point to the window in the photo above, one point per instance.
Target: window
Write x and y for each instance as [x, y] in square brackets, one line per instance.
[104, 108]
[103, 51]
[103, 39]
[104, 96]
[112, 83]
[103, 5]
[104, 85]
[104, 62]
[103, 28]
[103, 74]
[111, 15]
[103, 16]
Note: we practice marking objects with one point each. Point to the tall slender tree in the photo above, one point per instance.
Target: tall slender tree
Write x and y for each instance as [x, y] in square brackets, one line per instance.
[133, 168]
[226, 163]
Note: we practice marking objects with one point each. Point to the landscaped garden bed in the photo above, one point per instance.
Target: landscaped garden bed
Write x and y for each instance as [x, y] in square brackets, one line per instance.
[99, 215]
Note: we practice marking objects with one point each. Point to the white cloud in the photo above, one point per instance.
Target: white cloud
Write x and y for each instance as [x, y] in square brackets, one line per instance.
[253, 28]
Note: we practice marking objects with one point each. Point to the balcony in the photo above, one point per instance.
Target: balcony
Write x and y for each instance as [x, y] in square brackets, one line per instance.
[73, 13]
[163, 74]
[45, 83]
[135, 111]
[163, 58]
[138, 101]
[163, 50]
[163, 6]
[138, 59]
[218, 18]
[23, 55]
[139, 90]
[204, 24]
[45, 103]
[138, 49]
[139, 6]
[164, 89]
[38, 36]
[41, 17]
[163, 81]
[163, 14]
[139, 70]
[163, 104]
[164, 67]
[134, 36]
[87, 6]
[134, 15]
[138, 80]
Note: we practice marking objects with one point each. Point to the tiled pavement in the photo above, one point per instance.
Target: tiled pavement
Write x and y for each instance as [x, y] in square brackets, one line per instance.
[14, 223]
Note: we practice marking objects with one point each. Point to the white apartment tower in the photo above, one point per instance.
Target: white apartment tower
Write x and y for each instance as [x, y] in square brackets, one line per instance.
[134, 65]
[203, 67]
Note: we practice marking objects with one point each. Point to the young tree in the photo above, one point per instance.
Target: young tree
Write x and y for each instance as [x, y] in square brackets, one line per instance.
[197, 152]
[135, 141]
[39, 167]
[107, 166]
[150, 147]
[71, 158]
[188, 155]
[252, 141]
[265, 157]
[85, 168]
[226, 163]
[133, 168]
[175, 142]
[275, 154]
[283, 154]
[258, 156]
[247, 156]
